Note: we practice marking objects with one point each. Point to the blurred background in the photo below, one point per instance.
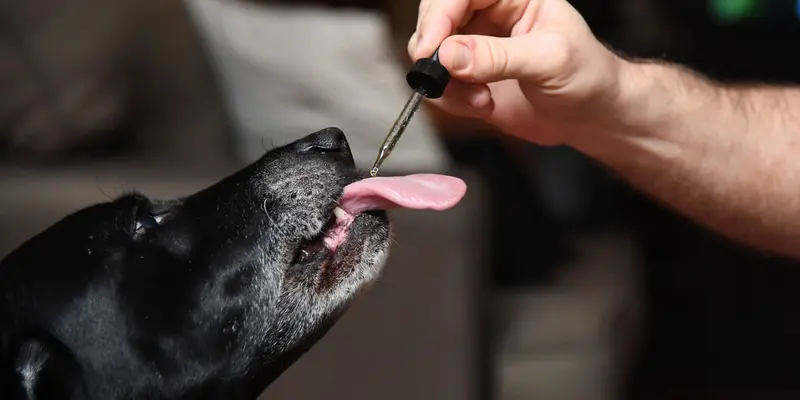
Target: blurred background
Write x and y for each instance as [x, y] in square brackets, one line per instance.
[552, 280]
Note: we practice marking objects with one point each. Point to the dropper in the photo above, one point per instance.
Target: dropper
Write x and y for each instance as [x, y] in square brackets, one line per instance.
[428, 78]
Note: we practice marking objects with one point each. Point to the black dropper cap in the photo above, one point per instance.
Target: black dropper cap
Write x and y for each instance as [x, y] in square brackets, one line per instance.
[428, 76]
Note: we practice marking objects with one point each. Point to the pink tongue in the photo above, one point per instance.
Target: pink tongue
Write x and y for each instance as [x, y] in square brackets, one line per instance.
[418, 192]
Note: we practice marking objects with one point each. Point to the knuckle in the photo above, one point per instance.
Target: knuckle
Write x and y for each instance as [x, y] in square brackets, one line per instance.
[499, 59]
[559, 53]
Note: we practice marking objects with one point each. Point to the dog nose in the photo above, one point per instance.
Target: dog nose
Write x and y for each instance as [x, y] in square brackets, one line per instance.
[328, 140]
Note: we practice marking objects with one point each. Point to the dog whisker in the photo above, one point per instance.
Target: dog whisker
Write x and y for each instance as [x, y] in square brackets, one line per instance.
[269, 217]
[100, 189]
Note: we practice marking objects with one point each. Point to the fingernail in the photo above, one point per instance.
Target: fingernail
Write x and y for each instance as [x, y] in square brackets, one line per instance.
[462, 57]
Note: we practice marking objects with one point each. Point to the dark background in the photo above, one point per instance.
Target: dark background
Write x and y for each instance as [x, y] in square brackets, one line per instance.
[723, 319]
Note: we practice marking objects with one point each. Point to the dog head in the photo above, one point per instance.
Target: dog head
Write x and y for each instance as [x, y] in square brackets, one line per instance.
[211, 295]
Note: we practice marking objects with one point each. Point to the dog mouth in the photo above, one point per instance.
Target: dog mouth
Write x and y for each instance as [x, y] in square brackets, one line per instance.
[333, 234]
[418, 192]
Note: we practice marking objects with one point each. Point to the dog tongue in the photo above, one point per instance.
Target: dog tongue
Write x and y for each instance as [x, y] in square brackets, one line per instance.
[418, 192]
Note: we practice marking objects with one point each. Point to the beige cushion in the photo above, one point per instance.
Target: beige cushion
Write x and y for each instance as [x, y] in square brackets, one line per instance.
[288, 71]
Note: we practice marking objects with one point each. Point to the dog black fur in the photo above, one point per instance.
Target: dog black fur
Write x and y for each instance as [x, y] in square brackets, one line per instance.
[209, 296]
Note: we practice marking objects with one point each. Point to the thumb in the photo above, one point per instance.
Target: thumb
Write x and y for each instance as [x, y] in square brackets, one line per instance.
[536, 57]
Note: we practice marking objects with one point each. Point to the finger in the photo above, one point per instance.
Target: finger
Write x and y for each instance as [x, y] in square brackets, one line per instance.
[466, 100]
[506, 13]
[538, 57]
[424, 5]
[413, 41]
[500, 18]
[512, 111]
[481, 26]
[412, 45]
[525, 22]
[441, 19]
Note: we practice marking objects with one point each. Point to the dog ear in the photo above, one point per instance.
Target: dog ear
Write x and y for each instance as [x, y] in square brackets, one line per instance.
[38, 370]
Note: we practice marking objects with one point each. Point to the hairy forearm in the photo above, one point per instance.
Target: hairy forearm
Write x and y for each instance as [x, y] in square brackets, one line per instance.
[725, 156]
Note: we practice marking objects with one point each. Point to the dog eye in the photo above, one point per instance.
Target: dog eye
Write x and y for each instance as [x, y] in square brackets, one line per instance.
[148, 221]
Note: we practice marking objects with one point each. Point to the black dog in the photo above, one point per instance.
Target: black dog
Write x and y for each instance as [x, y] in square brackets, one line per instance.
[206, 297]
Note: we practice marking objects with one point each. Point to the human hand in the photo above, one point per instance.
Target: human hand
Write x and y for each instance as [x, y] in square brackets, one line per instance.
[532, 68]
